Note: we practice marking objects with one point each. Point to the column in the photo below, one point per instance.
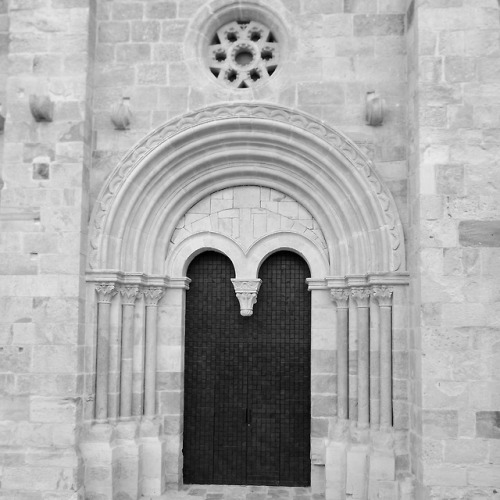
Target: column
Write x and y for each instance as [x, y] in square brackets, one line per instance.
[152, 295]
[341, 299]
[105, 293]
[129, 295]
[383, 295]
[361, 297]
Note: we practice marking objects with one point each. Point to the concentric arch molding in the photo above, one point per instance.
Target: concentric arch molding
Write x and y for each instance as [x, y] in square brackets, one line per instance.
[299, 126]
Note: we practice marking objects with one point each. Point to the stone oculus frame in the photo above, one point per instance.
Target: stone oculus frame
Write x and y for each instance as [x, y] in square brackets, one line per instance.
[137, 313]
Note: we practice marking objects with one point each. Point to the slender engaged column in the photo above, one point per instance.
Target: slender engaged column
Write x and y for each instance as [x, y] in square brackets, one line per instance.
[341, 299]
[362, 298]
[383, 295]
[152, 296]
[129, 295]
[105, 293]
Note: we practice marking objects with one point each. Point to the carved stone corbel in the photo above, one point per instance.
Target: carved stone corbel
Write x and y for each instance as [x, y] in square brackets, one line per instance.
[246, 292]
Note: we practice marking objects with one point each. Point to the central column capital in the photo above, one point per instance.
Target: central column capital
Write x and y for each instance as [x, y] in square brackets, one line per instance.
[246, 291]
[129, 294]
[361, 296]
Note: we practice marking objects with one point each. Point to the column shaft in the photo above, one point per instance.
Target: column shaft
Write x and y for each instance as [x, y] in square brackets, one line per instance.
[150, 371]
[363, 366]
[126, 362]
[102, 365]
[386, 366]
[342, 363]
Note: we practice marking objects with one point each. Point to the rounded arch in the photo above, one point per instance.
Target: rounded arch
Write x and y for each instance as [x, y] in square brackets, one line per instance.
[246, 264]
[190, 157]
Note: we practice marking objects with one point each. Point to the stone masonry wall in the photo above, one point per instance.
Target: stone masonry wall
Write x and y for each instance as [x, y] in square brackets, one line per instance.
[43, 219]
[456, 247]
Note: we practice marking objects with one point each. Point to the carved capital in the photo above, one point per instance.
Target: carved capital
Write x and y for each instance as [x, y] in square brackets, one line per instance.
[129, 294]
[246, 292]
[383, 295]
[105, 292]
[152, 296]
[341, 298]
[361, 296]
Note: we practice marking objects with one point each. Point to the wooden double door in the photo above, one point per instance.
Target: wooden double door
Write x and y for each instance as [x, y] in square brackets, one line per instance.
[247, 379]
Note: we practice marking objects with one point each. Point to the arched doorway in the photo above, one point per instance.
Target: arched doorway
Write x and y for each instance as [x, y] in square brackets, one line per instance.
[247, 380]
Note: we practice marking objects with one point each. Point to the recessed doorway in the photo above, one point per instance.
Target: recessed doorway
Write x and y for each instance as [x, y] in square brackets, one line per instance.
[247, 379]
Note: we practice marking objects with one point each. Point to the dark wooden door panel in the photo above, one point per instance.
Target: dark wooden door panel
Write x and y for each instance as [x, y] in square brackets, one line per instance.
[247, 380]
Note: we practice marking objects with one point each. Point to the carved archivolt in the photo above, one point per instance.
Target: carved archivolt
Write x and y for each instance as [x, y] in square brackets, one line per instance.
[248, 144]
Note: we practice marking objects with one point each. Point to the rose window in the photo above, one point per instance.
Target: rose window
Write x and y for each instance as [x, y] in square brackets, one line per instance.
[243, 54]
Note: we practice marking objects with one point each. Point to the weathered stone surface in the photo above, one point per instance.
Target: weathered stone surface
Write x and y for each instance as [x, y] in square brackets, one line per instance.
[479, 233]
[488, 424]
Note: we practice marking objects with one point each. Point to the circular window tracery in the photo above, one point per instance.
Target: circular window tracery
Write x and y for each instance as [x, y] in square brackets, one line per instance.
[243, 54]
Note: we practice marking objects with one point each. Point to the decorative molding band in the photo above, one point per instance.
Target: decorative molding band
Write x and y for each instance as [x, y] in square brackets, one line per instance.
[246, 292]
[381, 279]
[316, 284]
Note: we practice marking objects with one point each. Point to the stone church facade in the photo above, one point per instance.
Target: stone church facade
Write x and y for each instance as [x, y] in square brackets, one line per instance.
[205, 201]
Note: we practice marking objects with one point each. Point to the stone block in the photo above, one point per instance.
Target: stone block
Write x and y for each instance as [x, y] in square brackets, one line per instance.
[357, 469]
[152, 74]
[466, 451]
[161, 10]
[440, 424]
[476, 233]
[459, 69]
[360, 6]
[321, 93]
[323, 406]
[133, 53]
[124, 11]
[449, 179]
[378, 24]
[337, 25]
[484, 475]
[488, 424]
[14, 408]
[323, 6]
[445, 475]
[323, 361]
[452, 42]
[146, 31]
[113, 32]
